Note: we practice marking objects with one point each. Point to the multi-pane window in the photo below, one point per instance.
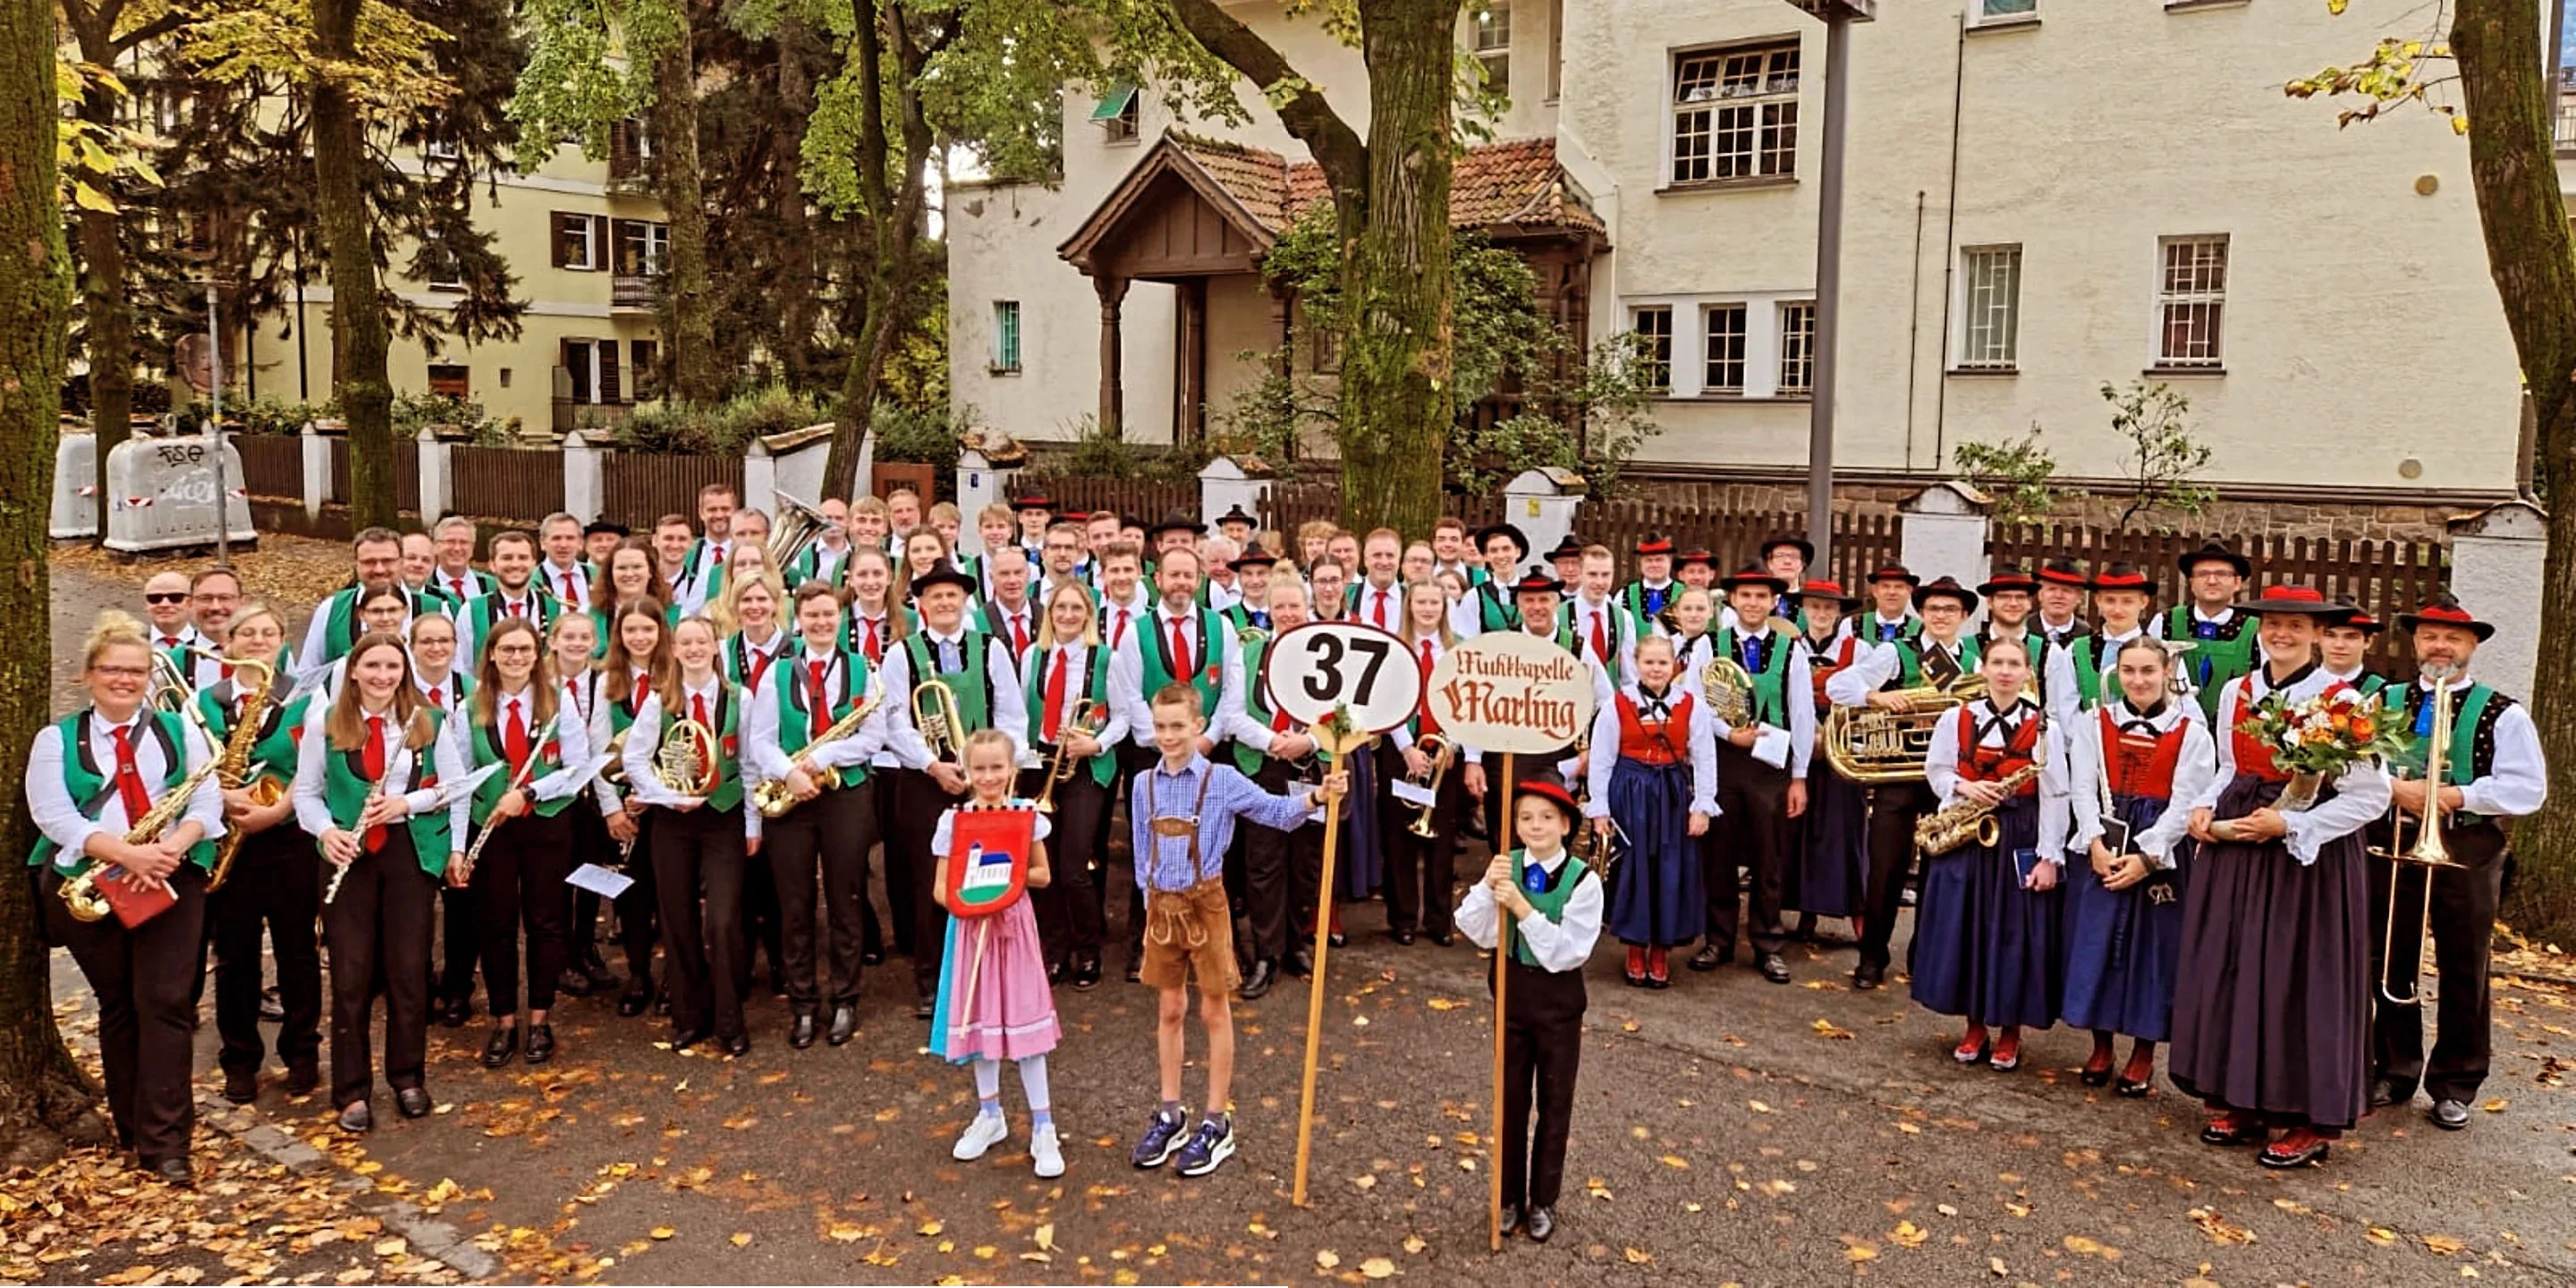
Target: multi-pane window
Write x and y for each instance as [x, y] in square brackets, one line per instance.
[577, 241]
[1990, 324]
[439, 264]
[2191, 299]
[1735, 113]
[1006, 335]
[1724, 327]
[1493, 36]
[1798, 347]
[1654, 328]
[641, 244]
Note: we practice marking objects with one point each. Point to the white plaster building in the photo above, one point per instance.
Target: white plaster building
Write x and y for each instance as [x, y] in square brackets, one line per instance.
[2042, 196]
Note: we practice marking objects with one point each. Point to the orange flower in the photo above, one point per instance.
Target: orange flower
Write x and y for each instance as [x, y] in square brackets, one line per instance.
[2364, 728]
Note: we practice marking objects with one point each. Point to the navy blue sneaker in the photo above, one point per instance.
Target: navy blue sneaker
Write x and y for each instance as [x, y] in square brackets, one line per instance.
[1162, 1138]
[1211, 1144]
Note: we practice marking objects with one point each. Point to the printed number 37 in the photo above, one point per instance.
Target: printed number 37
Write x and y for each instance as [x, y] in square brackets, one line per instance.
[1324, 683]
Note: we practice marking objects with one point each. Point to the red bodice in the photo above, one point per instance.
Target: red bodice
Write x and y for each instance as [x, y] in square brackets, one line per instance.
[1993, 764]
[2140, 765]
[1655, 743]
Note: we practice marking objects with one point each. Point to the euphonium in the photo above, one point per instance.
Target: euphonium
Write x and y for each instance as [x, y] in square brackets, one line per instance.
[770, 795]
[1729, 688]
[1872, 746]
[941, 724]
[2428, 850]
[1064, 764]
[797, 526]
[1437, 748]
[265, 790]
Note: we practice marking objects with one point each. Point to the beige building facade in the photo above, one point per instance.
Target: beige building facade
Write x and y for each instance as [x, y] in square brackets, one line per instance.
[2042, 196]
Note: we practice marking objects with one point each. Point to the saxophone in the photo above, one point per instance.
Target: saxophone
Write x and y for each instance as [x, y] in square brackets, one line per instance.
[1955, 825]
[770, 795]
[81, 896]
[266, 790]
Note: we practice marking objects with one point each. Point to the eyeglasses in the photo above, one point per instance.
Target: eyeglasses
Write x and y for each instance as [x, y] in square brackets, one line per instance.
[121, 672]
[165, 597]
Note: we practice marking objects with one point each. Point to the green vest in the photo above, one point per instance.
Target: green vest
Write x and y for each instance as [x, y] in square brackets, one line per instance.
[1256, 706]
[2088, 671]
[1154, 649]
[2459, 762]
[1494, 612]
[795, 727]
[345, 788]
[1094, 685]
[974, 701]
[1632, 602]
[1770, 684]
[340, 617]
[1550, 902]
[484, 610]
[486, 749]
[734, 658]
[273, 755]
[2215, 663]
[807, 566]
[702, 572]
[90, 785]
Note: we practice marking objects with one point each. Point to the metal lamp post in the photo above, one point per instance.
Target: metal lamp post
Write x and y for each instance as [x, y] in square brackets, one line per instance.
[1838, 17]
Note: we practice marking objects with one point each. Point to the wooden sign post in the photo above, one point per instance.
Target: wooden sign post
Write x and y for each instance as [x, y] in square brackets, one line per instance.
[1347, 683]
[1512, 692]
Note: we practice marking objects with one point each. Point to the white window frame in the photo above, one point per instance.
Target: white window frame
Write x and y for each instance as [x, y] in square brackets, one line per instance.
[1010, 321]
[1976, 346]
[1986, 13]
[1636, 325]
[2202, 287]
[1761, 79]
[1742, 358]
[1795, 350]
[1489, 35]
[431, 245]
[590, 256]
[657, 244]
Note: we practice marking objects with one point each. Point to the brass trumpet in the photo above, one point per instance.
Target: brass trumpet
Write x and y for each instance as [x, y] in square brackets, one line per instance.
[1438, 749]
[2428, 850]
[1063, 765]
[941, 724]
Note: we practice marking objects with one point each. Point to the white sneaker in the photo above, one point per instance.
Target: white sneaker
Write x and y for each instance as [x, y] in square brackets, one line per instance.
[982, 1134]
[1042, 1149]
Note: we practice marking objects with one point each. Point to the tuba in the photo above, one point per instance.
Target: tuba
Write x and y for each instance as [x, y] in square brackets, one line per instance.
[265, 790]
[2428, 850]
[942, 725]
[1437, 748]
[796, 527]
[1870, 746]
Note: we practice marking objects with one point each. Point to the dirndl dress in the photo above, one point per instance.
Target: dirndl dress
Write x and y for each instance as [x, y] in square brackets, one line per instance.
[1359, 867]
[1831, 876]
[2123, 947]
[993, 1003]
[1984, 947]
[1656, 898]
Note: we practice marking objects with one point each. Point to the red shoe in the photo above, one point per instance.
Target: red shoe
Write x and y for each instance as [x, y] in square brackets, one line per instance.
[2232, 1128]
[2139, 1077]
[1658, 968]
[2007, 1055]
[2298, 1147]
[1972, 1048]
[1635, 970]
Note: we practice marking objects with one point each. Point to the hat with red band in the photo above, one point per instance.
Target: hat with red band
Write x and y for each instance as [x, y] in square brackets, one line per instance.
[1654, 545]
[1826, 590]
[2121, 576]
[1895, 572]
[2065, 572]
[2444, 610]
[1553, 795]
[2296, 599]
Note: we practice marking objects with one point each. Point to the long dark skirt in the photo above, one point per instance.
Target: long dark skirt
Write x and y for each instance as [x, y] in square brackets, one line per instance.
[2272, 1013]
[2123, 946]
[1657, 899]
[1984, 947]
[1359, 864]
[1831, 874]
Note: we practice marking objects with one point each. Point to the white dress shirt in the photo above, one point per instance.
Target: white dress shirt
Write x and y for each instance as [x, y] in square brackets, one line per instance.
[1076, 657]
[570, 730]
[2518, 782]
[1941, 766]
[2361, 794]
[1010, 711]
[1873, 665]
[59, 817]
[644, 739]
[762, 725]
[1584, 613]
[602, 732]
[555, 579]
[1698, 745]
[447, 757]
[1118, 620]
[1373, 597]
[1797, 690]
[1127, 673]
[1559, 946]
[2088, 778]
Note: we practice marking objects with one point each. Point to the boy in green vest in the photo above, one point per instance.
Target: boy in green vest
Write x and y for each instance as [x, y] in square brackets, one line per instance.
[1555, 904]
[2223, 640]
[1761, 774]
[1491, 606]
[2081, 667]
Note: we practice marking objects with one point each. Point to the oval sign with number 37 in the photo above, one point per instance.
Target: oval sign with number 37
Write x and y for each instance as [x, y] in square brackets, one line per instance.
[1310, 671]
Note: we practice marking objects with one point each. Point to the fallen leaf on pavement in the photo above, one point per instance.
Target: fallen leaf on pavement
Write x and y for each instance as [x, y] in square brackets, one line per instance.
[1377, 1268]
[2220, 1229]
[2442, 1245]
[663, 1232]
[1327, 1258]
[742, 1239]
[1908, 1235]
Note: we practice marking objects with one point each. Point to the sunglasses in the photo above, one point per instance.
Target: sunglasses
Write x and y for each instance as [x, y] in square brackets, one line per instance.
[166, 597]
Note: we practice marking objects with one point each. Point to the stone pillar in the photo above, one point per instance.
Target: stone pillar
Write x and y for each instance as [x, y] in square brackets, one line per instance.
[317, 470]
[437, 477]
[760, 479]
[1542, 504]
[1113, 294]
[2496, 557]
[979, 484]
[585, 477]
[1943, 533]
[1229, 482]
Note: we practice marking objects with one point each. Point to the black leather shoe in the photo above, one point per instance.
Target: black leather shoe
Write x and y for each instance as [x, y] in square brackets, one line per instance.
[454, 1011]
[638, 995]
[412, 1101]
[1706, 959]
[541, 1043]
[924, 1009]
[241, 1086]
[572, 983]
[2134, 1090]
[1301, 962]
[662, 1003]
[1511, 1219]
[1086, 975]
[1775, 968]
[738, 1044]
[303, 1075]
[1258, 982]
[175, 1171]
[1541, 1223]
[1401, 936]
[1055, 973]
[682, 1041]
[272, 1010]
[845, 1025]
[1334, 939]
[356, 1117]
[2383, 1093]
[1444, 938]
[2450, 1115]
[800, 1030]
[503, 1044]
[1866, 977]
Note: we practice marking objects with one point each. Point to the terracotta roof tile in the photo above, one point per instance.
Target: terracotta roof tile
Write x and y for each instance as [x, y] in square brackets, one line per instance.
[1515, 182]
[1254, 177]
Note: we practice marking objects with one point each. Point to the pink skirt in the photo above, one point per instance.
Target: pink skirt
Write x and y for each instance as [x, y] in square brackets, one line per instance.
[994, 1003]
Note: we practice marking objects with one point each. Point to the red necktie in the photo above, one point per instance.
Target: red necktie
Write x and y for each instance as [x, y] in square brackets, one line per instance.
[876, 639]
[814, 672]
[373, 761]
[509, 609]
[564, 579]
[1279, 722]
[169, 641]
[1019, 634]
[1377, 613]
[459, 584]
[1180, 653]
[1054, 722]
[1430, 722]
[1121, 636]
[1600, 638]
[755, 664]
[698, 709]
[514, 739]
[224, 672]
[643, 689]
[438, 695]
[129, 776]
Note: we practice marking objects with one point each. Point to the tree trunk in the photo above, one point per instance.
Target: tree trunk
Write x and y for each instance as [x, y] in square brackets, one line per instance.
[897, 214]
[2513, 164]
[796, 269]
[360, 337]
[688, 324]
[44, 1097]
[1397, 399]
[105, 303]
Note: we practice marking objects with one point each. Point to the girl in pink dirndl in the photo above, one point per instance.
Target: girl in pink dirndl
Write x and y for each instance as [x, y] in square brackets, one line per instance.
[994, 1003]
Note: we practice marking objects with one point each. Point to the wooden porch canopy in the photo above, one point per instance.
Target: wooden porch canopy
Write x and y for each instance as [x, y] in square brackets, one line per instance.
[1194, 208]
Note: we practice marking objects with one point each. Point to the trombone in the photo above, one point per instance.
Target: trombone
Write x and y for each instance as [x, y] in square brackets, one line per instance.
[1437, 748]
[2428, 850]
[1063, 765]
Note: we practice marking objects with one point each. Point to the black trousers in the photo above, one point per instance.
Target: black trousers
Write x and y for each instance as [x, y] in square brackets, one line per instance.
[639, 910]
[590, 844]
[1069, 908]
[518, 880]
[832, 834]
[917, 806]
[1542, 1054]
[872, 936]
[1421, 875]
[143, 979]
[698, 861]
[1279, 869]
[762, 929]
[1894, 808]
[1132, 760]
[2464, 907]
[460, 944]
[270, 892]
[1752, 830]
[379, 923]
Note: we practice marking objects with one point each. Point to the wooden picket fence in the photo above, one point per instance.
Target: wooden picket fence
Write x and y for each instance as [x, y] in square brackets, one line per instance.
[1137, 498]
[509, 482]
[272, 464]
[406, 472]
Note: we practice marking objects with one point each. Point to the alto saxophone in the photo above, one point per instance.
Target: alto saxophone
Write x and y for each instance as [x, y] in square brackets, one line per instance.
[265, 790]
[80, 893]
[770, 795]
[1955, 825]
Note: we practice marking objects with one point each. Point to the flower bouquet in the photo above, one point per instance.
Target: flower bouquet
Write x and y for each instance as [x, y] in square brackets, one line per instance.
[2317, 740]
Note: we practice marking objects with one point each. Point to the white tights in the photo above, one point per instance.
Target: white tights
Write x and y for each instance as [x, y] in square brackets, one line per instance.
[1033, 1083]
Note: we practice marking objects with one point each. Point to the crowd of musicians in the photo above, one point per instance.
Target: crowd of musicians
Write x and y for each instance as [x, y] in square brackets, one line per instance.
[739, 716]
